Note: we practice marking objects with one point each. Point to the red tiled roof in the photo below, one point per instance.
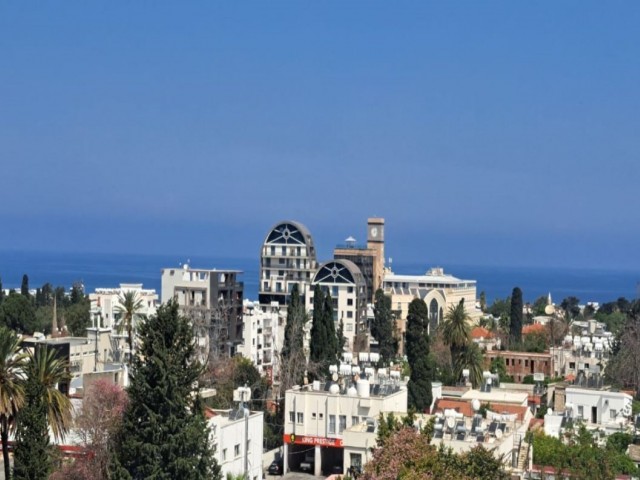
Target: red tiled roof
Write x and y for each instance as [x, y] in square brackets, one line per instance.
[535, 328]
[481, 332]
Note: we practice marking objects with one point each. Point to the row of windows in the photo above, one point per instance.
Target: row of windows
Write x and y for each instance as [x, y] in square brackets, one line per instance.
[512, 362]
[236, 450]
[298, 417]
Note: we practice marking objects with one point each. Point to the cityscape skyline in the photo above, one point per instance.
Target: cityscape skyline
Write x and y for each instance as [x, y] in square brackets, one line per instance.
[192, 128]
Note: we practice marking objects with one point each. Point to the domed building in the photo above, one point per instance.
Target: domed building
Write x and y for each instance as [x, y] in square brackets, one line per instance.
[348, 288]
[287, 258]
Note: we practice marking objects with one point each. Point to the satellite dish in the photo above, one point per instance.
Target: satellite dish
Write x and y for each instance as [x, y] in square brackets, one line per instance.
[549, 309]
[334, 377]
[498, 433]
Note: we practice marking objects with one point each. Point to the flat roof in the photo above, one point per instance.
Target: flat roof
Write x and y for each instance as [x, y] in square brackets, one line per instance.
[496, 395]
[445, 278]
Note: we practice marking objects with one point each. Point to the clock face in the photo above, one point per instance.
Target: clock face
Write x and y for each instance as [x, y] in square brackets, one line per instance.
[374, 232]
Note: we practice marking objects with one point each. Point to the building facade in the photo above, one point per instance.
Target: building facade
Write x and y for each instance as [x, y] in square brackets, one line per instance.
[330, 428]
[212, 300]
[522, 364]
[262, 337]
[105, 304]
[287, 258]
[438, 290]
[369, 258]
[345, 283]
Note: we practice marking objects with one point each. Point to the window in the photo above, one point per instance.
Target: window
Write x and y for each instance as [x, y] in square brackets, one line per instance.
[572, 365]
[236, 450]
[349, 314]
[526, 363]
[356, 460]
[332, 424]
[349, 301]
[300, 417]
[224, 454]
[613, 414]
[349, 327]
[343, 423]
[321, 416]
[354, 420]
[349, 289]
[292, 417]
[580, 411]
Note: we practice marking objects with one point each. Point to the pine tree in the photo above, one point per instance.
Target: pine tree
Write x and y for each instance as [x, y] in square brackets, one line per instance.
[418, 356]
[324, 344]
[382, 327]
[164, 433]
[24, 288]
[515, 332]
[33, 453]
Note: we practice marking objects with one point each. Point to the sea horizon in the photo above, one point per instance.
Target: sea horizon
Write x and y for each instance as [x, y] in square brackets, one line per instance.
[107, 270]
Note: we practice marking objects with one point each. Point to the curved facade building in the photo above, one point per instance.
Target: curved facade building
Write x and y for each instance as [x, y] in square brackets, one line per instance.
[287, 258]
[348, 288]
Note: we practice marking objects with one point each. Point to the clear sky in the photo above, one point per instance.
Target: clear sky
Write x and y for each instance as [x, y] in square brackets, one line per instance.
[484, 132]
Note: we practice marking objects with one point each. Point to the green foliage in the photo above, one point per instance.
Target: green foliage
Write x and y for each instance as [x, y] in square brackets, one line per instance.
[33, 452]
[164, 433]
[456, 331]
[571, 307]
[483, 301]
[500, 307]
[323, 345]
[24, 287]
[1, 291]
[539, 305]
[534, 342]
[17, 313]
[619, 441]
[499, 366]
[383, 326]
[614, 320]
[417, 345]
[516, 314]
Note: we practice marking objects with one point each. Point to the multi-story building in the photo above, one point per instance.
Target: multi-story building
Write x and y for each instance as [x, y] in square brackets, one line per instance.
[287, 258]
[522, 364]
[105, 303]
[236, 436]
[369, 258]
[332, 427]
[346, 284]
[212, 299]
[438, 290]
[262, 337]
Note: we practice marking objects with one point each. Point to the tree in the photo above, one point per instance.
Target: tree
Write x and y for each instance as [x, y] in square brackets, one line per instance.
[483, 301]
[456, 331]
[78, 317]
[17, 313]
[1, 292]
[472, 359]
[571, 307]
[164, 433]
[382, 326]
[539, 305]
[24, 287]
[293, 361]
[323, 346]
[33, 452]
[417, 340]
[129, 304]
[499, 367]
[11, 388]
[515, 330]
[97, 423]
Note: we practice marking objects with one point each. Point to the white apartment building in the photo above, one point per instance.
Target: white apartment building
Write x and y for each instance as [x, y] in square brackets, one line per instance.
[287, 258]
[237, 440]
[263, 334]
[346, 284]
[439, 290]
[331, 427]
[105, 302]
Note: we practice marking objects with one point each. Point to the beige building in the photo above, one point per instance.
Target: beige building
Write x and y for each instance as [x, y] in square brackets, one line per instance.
[439, 290]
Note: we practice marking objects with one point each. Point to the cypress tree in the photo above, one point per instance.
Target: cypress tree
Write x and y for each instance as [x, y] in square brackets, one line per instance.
[33, 453]
[164, 433]
[515, 331]
[1, 291]
[382, 327]
[418, 356]
[324, 344]
[330, 329]
[24, 288]
[296, 317]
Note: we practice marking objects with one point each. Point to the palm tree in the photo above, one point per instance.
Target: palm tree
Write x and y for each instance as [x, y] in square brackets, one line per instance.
[11, 388]
[50, 370]
[456, 331]
[471, 358]
[129, 305]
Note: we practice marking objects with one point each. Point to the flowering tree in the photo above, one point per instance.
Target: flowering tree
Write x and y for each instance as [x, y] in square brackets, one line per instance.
[101, 416]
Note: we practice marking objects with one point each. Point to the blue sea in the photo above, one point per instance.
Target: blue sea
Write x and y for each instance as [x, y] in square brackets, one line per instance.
[96, 270]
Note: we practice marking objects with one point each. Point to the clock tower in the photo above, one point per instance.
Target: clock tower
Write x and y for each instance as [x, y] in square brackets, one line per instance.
[375, 242]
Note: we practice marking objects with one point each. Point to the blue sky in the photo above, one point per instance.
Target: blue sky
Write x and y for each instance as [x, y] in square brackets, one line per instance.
[502, 133]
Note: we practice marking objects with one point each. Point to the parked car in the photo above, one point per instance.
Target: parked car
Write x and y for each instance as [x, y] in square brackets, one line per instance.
[275, 468]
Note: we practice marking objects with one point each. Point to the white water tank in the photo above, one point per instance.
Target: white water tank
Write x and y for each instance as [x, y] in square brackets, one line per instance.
[334, 389]
[363, 388]
[352, 392]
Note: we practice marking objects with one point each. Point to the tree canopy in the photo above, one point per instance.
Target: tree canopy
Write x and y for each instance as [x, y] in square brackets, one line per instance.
[417, 345]
[383, 326]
